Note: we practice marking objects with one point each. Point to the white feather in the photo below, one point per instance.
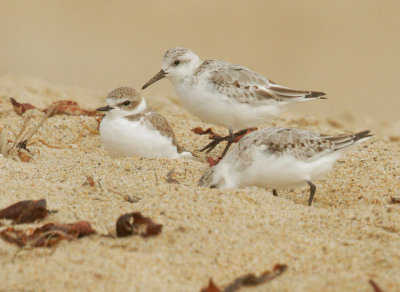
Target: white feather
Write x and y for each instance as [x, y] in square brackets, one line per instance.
[277, 172]
[214, 107]
[122, 137]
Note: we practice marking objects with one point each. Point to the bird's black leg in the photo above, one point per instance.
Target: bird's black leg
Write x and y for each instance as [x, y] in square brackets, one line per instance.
[275, 193]
[231, 139]
[216, 139]
[312, 192]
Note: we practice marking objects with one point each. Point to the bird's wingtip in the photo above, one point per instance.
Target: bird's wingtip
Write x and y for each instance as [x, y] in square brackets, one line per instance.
[316, 94]
[361, 135]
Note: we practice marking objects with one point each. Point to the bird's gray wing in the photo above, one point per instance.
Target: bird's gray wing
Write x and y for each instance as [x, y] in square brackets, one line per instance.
[246, 86]
[301, 144]
[159, 123]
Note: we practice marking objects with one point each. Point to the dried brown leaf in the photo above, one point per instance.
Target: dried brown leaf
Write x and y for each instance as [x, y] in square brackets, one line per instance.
[66, 107]
[211, 287]
[249, 280]
[252, 280]
[14, 211]
[36, 210]
[47, 235]
[124, 225]
[20, 108]
[90, 180]
[128, 224]
[69, 107]
[24, 155]
[200, 131]
[78, 229]
[11, 235]
[152, 229]
[395, 200]
[27, 211]
[212, 162]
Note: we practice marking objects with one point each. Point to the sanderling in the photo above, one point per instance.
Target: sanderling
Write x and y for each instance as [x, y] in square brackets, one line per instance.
[226, 94]
[279, 158]
[131, 128]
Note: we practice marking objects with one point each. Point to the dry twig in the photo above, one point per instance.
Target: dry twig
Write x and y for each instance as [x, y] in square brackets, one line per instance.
[169, 179]
[4, 141]
[375, 286]
[35, 129]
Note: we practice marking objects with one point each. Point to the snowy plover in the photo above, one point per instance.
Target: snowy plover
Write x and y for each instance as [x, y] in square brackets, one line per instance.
[279, 158]
[225, 94]
[131, 128]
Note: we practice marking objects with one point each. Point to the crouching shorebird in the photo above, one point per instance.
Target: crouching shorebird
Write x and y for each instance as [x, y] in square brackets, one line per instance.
[279, 158]
[131, 128]
[225, 94]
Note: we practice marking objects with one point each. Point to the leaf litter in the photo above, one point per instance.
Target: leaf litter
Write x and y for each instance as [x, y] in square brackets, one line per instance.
[131, 223]
[61, 107]
[27, 211]
[56, 108]
[248, 280]
[48, 235]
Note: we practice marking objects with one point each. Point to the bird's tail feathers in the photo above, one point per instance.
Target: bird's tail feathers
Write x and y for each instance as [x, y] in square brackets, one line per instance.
[344, 140]
[361, 136]
[316, 94]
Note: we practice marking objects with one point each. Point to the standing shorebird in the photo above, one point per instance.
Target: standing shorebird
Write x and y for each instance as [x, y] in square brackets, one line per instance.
[130, 128]
[226, 94]
[279, 158]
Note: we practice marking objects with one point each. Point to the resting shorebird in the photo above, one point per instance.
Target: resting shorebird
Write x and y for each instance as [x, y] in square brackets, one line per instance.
[225, 94]
[279, 158]
[131, 128]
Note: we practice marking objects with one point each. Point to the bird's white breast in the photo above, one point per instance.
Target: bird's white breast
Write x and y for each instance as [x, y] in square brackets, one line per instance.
[122, 137]
[202, 100]
[271, 171]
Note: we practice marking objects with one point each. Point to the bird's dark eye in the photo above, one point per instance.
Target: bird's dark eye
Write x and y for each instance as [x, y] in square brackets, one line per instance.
[176, 62]
[126, 103]
[213, 186]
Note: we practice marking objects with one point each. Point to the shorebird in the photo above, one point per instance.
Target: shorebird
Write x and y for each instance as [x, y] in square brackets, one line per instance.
[130, 128]
[226, 94]
[279, 158]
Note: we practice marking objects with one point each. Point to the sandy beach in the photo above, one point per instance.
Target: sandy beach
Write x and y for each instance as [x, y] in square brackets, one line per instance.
[350, 235]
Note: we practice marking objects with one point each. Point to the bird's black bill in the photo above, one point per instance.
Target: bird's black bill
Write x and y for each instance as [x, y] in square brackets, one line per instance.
[104, 108]
[158, 76]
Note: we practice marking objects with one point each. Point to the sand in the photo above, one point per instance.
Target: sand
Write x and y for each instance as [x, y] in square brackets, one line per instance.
[351, 233]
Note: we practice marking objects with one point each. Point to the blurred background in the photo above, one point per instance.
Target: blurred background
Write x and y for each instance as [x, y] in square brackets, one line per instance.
[349, 49]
